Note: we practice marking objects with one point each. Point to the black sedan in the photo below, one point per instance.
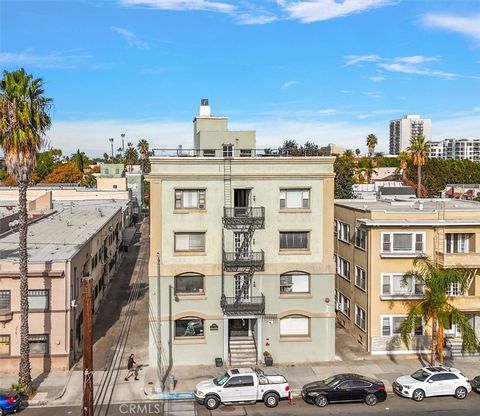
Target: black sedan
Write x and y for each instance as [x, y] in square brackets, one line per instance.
[344, 388]
[476, 384]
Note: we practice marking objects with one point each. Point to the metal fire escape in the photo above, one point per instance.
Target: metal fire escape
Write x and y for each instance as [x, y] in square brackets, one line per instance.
[243, 220]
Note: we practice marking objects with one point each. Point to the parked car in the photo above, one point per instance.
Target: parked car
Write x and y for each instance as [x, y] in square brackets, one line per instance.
[10, 401]
[242, 385]
[476, 384]
[344, 388]
[433, 381]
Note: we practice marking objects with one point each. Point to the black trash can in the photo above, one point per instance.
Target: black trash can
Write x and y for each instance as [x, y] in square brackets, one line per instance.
[218, 362]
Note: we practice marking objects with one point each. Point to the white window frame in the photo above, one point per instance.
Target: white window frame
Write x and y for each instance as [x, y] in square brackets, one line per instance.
[452, 245]
[358, 317]
[305, 198]
[455, 289]
[294, 248]
[344, 304]
[393, 252]
[295, 334]
[364, 240]
[399, 295]
[341, 263]
[190, 249]
[227, 150]
[294, 274]
[39, 293]
[390, 318]
[200, 202]
[362, 271]
[343, 232]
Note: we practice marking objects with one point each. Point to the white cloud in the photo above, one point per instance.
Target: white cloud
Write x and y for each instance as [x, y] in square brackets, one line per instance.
[289, 84]
[308, 11]
[50, 60]
[466, 25]
[377, 78]
[255, 19]
[205, 5]
[355, 59]
[131, 38]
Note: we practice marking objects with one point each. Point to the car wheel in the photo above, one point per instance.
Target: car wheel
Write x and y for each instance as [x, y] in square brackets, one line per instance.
[461, 393]
[321, 401]
[212, 402]
[271, 400]
[371, 399]
[1, 411]
[418, 395]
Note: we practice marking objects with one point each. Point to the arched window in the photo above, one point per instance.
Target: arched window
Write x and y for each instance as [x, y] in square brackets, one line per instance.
[189, 284]
[295, 326]
[294, 282]
[190, 326]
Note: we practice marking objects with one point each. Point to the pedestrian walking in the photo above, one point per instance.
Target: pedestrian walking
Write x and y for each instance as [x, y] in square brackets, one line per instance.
[132, 368]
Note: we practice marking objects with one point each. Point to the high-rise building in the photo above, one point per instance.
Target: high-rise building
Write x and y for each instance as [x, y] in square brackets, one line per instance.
[405, 129]
[241, 254]
[458, 149]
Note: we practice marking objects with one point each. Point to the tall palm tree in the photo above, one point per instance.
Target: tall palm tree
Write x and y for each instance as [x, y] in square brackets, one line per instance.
[24, 119]
[371, 141]
[143, 148]
[403, 158]
[435, 308]
[349, 154]
[368, 171]
[131, 156]
[418, 149]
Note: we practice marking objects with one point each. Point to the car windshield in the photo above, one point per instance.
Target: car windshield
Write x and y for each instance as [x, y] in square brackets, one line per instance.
[332, 381]
[420, 375]
[221, 379]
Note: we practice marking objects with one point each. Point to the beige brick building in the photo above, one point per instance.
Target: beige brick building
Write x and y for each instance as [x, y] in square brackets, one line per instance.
[375, 244]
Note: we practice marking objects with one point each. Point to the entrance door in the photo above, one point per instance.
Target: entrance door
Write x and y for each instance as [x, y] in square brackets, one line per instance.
[241, 290]
[452, 332]
[241, 201]
[239, 327]
[238, 240]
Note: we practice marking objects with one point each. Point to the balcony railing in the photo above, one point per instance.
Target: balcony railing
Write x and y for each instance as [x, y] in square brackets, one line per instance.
[236, 217]
[233, 262]
[254, 305]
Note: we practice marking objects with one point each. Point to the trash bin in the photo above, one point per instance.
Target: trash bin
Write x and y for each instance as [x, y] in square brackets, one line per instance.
[218, 362]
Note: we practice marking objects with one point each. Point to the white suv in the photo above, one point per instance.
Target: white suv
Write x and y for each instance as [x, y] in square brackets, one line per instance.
[433, 381]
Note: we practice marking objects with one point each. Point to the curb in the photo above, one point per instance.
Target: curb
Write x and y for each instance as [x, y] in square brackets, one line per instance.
[64, 389]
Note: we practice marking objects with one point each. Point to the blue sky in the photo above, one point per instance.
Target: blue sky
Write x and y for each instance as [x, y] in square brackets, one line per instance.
[325, 70]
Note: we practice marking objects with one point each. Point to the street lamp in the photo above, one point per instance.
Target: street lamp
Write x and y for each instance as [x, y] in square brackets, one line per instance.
[111, 144]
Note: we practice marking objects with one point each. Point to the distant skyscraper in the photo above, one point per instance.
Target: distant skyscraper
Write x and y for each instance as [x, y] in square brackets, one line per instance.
[405, 129]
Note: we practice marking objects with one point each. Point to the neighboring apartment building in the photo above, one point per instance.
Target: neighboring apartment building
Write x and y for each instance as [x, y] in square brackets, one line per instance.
[458, 149]
[405, 129]
[241, 254]
[376, 242]
[73, 233]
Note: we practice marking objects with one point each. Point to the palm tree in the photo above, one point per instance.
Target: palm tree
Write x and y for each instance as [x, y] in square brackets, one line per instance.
[143, 148]
[419, 150]
[357, 151]
[435, 308]
[349, 154]
[368, 171]
[371, 143]
[403, 158]
[131, 156]
[24, 119]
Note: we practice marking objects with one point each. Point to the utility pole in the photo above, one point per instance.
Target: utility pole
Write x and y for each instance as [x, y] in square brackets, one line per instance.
[87, 348]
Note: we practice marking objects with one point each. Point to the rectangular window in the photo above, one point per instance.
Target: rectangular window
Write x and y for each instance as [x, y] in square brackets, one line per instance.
[294, 240]
[343, 232]
[38, 344]
[38, 300]
[454, 290]
[343, 268]
[4, 301]
[457, 243]
[4, 344]
[391, 326]
[394, 285]
[295, 326]
[343, 304]
[227, 150]
[190, 198]
[360, 278]
[403, 243]
[190, 242]
[209, 153]
[294, 198]
[189, 284]
[245, 152]
[360, 238]
[189, 327]
[360, 317]
[294, 283]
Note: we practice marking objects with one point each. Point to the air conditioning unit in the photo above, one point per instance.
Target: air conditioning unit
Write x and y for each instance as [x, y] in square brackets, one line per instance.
[338, 306]
[73, 303]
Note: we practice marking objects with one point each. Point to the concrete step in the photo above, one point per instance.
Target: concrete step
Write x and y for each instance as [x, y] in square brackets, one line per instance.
[245, 363]
[242, 347]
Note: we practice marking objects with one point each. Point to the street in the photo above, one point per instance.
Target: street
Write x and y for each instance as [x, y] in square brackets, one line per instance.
[394, 406]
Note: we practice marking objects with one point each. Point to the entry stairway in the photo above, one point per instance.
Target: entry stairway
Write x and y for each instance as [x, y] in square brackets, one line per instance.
[242, 351]
[455, 347]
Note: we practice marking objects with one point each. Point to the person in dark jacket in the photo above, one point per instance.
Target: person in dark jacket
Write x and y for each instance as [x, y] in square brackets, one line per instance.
[132, 368]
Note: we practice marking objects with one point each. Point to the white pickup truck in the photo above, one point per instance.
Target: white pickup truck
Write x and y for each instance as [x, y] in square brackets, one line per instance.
[242, 385]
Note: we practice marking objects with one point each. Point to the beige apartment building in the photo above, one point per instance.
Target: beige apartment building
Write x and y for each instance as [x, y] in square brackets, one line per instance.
[241, 254]
[375, 244]
[73, 233]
